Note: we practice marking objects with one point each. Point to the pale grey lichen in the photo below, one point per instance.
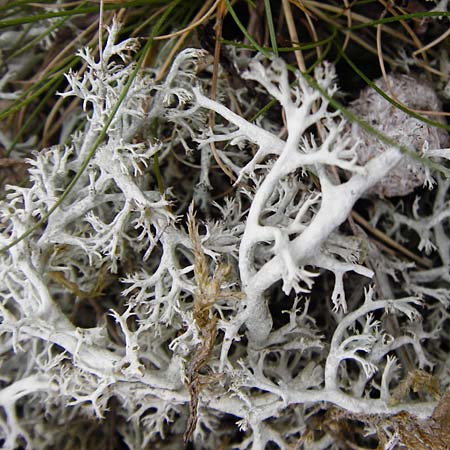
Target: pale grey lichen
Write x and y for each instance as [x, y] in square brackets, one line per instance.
[293, 326]
[414, 134]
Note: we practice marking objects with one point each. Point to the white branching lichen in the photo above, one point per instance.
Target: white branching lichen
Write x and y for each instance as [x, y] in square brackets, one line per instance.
[235, 318]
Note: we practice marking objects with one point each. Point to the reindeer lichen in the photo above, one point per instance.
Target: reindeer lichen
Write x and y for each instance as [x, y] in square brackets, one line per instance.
[250, 326]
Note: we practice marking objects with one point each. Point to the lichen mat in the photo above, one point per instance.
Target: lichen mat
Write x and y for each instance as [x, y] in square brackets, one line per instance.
[264, 319]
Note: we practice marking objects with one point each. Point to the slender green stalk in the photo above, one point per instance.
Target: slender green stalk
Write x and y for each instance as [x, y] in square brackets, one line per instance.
[307, 46]
[37, 39]
[73, 12]
[233, 14]
[386, 97]
[385, 20]
[35, 91]
[374, 132]
[33, 115]
[273, 37]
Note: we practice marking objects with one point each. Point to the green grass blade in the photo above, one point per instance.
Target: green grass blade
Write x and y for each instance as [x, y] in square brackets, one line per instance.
[389, 99]
[73, 12]
[385, 20]
[366, 127]
[273, 37]
[37, 39]
[36, 90]
[306, 46]
[244, 30]
[33, 114]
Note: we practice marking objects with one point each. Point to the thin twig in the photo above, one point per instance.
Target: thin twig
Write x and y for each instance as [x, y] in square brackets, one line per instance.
[293, 36]
[194, 24]
[439, 39]
[382, 236]
[380, 55]
[213, 92]
[197, 20]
